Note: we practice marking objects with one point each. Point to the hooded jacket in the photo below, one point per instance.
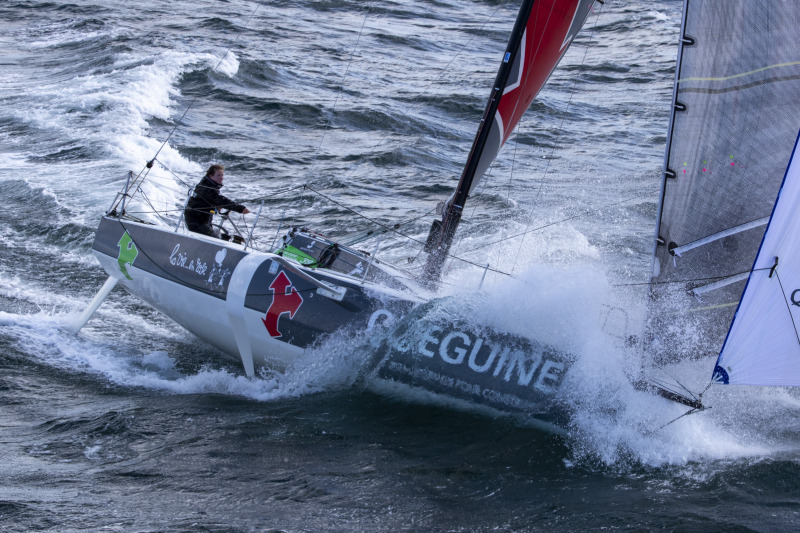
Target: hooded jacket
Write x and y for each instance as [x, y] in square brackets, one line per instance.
[204, 202]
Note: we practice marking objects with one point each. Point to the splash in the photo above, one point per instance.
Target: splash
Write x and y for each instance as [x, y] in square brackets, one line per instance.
[120, 112]
[42, 336]
[612, 423]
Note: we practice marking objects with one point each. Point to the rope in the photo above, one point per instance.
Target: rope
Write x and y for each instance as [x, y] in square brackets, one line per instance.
[341, 88]
[687, 413]
[789, 309]
[666, 387]
[538, 191]
[558, 134]
[145, 171]
[689, 280]
[394, 229]
[413, 102]
[554, 223]
[188, 107]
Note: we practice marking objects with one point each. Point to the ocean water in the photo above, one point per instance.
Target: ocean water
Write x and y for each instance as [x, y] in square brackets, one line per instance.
[137, 425]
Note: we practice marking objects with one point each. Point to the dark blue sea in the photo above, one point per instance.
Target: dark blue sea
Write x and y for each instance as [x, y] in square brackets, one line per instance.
[136, 425]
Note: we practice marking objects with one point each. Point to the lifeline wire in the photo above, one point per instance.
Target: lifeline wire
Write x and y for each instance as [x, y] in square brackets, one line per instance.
[560, 127]
[146, 170]
[431, 84]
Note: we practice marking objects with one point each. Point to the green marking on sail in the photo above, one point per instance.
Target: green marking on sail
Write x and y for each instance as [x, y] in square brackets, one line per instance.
[127, 253]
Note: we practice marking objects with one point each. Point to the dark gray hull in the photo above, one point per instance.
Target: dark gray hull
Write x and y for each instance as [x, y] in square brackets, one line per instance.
[266, 310]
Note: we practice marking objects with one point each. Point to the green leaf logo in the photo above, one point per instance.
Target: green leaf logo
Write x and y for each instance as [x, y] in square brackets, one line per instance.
[127, 253]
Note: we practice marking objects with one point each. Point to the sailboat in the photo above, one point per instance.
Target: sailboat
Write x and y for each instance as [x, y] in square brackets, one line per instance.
[267, 307]
[725, 281]
[736, 113]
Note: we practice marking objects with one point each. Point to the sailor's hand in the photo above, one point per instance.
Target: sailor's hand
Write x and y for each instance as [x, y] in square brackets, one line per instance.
[245, 211]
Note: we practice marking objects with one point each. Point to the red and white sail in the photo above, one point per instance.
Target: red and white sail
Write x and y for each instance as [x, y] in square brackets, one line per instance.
[550, 28]
[542, 33]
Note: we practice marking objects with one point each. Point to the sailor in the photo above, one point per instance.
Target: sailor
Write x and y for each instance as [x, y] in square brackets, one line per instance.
[207, 200]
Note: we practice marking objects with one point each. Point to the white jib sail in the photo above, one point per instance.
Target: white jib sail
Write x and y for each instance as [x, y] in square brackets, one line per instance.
[763, 344]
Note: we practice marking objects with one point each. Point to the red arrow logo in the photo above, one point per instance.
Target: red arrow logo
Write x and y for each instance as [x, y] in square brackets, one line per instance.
[283, 301]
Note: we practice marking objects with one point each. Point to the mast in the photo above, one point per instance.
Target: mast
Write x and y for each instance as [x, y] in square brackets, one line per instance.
[537, 44]
[441, 234]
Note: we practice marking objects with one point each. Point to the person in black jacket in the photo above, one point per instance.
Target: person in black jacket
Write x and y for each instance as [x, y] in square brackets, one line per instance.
[207, 200]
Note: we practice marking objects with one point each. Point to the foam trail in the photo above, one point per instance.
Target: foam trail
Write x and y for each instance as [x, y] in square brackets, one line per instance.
[111, 112]
[331, 366]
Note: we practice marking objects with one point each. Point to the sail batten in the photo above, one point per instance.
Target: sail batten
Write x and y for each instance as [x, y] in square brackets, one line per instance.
[721, 235]
[715, 286]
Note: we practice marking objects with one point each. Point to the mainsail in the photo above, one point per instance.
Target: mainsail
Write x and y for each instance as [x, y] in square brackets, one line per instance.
[736, 112]
[542, 34]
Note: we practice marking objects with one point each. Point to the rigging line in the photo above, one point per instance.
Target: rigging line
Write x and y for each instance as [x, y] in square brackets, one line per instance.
[666, 386]
[166, 187]
[700, 396]
[487, 177]
[690, 279]
[789, 309]
[341, 88]
[743, 74]
[393, 229]
[495, 270]
[559, 130]
[282, 191]
[188, 107]
[165, 167]
[508, 195]
[152, 207]
[413, 102]
[516, 104]
[366, 234]
[145, 171]
[513, 162]
[687, 413]
[407, 109]
[152, 211]
[380, 224]
[554, 223]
